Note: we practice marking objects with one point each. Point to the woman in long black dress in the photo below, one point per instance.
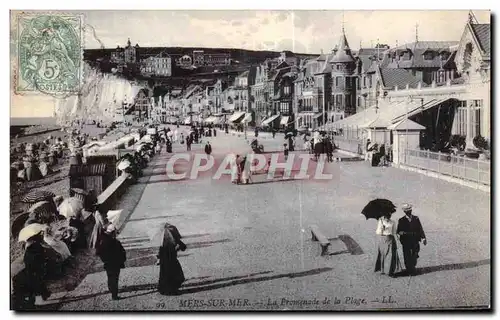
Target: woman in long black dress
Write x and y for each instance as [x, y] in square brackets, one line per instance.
[171, 274]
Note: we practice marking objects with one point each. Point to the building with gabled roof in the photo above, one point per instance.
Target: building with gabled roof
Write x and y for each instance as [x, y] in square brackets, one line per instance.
[456, 102]
[344, 78]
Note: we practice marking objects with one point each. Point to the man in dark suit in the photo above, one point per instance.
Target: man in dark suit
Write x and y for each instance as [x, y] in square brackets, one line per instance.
[113, 255]
[410, 233]
[208, 148]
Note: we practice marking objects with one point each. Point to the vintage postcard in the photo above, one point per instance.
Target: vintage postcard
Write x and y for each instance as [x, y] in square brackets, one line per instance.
[250, 160]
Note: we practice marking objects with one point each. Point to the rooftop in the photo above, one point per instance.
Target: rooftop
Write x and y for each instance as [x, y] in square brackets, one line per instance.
[398, 77]
[343, 54]
[482, 32]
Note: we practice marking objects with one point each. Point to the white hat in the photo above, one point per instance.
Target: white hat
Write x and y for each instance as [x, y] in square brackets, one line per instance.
[124, 164]
[110, 228]
[406, 207]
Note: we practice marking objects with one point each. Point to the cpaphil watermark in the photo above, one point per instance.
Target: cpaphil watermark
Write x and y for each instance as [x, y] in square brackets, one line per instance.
[189, 166]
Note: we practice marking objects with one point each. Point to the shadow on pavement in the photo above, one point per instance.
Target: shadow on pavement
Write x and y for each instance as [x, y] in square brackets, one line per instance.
[152, 174]
[338, 252]
[194, 245]
[352, 246]
[154, 218]
[196, 235]
[453, 266]
[151, 287]
[156, 166]
[276, 180]
[253, 280]
[202, 283]
[163, 180]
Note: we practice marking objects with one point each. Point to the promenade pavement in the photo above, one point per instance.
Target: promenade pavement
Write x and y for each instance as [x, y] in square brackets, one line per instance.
[252, 242]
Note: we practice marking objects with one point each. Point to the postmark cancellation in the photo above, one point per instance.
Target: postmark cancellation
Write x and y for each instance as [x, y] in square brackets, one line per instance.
[49, 52]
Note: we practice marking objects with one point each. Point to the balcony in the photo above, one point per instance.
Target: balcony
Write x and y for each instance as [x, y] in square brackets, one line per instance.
[306, 109]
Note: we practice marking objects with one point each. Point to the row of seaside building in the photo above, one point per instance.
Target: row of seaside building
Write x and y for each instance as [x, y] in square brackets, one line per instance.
[441, 87]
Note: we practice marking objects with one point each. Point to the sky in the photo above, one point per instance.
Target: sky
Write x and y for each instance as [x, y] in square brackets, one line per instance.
[299, 31]
[312, 31]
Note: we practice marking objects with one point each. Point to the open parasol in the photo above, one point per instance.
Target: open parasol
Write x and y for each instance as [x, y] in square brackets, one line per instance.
[114, 216]
[124, 164]
[156, 234]
[377, 208]
[71, 207]
[37, 196]
[30, 231]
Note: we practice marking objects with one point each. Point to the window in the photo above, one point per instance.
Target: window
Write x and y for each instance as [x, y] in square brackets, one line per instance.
[286, 90]
[428, 55]
[347, 103]
[339, 66]
[476, 112]
[284, 108]
[460, 123]
[337, 81]
[467, 56]
[359, 102]
[364, 82]
[338, 101]
[348, 82]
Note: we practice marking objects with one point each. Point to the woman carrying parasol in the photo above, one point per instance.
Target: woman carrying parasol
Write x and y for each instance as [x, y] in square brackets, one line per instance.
[387, 261]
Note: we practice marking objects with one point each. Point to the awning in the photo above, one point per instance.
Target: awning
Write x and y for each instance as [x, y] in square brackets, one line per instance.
[248, 118]
[236, 116]
[284, 121]
[270, 119]
[406, 124]
[411, 111]
[210, 119]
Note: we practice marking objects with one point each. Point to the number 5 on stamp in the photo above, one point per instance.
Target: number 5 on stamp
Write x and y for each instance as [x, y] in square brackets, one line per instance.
[49, 52]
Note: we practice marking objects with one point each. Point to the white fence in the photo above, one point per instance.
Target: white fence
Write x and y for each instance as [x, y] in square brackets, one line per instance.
[346, 144]
[459, 167]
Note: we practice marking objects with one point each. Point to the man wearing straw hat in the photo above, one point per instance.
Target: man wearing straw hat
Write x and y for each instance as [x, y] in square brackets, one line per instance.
[410, 233]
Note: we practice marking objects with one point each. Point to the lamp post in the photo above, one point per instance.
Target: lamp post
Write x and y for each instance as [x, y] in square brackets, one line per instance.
[369, 100]
[410, 100]
[124, 103]
[190, 114]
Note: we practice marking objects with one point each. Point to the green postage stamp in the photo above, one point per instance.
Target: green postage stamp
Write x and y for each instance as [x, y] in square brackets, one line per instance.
[49, 51]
